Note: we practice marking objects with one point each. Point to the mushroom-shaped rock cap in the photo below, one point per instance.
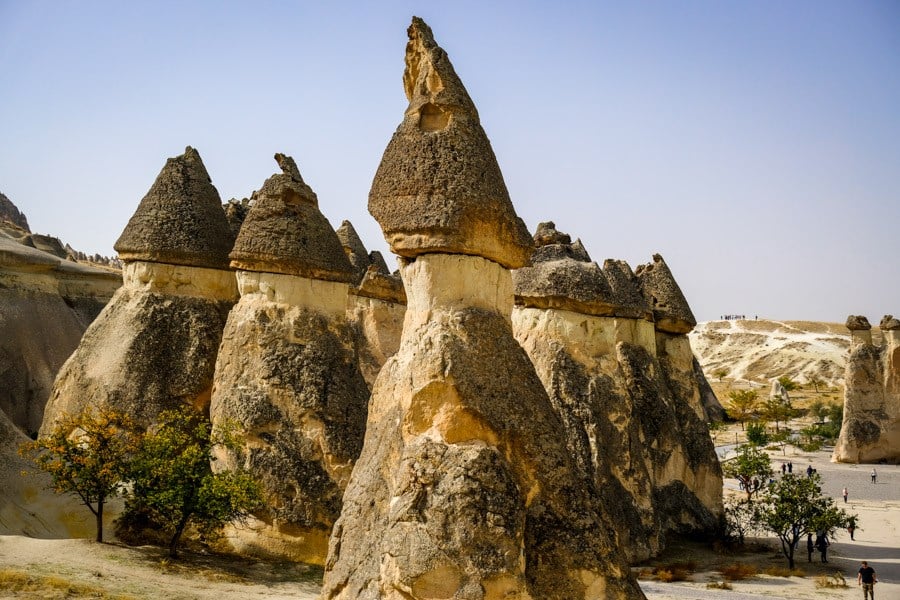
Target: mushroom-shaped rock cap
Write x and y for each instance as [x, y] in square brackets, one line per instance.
[180, 220]
[671, 312]
[889, 323]
[858, 323]
[439, 187]
[626, 290]
[562, 276]
[284, 232]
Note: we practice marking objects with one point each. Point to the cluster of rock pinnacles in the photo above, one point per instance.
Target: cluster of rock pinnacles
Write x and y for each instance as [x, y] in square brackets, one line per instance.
[870, 432]
[509, 421]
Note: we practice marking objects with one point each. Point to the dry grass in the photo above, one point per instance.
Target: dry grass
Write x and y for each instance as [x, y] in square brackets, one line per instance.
[51, 587]
[777, 571]
[738, 571]
[669, 572]
[835, 580]
[719, 585]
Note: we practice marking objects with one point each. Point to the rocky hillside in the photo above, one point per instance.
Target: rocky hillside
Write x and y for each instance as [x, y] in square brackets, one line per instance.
[758, 350]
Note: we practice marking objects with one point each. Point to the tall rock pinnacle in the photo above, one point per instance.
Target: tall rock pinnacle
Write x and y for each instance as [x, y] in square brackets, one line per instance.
[180, 221]
[439, 187]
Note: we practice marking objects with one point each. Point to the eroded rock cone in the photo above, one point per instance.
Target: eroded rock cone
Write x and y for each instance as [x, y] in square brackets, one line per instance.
[870, 431]
[596, 354]
[439, 187]
[180, 220]
[154, 346]
[287, 372]
[464, 488]
[671, 312]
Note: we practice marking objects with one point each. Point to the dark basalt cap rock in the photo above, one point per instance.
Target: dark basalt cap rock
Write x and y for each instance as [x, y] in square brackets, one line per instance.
[671, 312]
[889, 323]
[439, 187]
[858, 323]
[354, 249]
[626, 290]
[180, 220]
[284, 231]
[562, 276]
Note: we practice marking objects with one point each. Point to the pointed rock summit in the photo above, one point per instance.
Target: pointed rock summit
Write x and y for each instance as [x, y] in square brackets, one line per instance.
[180, 221]
[670, 308]
[284, 231]
[354, 249]
[439, 187]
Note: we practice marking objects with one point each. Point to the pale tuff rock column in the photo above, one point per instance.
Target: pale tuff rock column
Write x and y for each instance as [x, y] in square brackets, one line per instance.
[590, 334]
[870, 432]
[154, 345]
[287, 373]
[377, 304]
[464, 488]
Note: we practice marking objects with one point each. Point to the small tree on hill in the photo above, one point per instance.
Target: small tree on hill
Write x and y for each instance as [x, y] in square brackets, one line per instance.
[752, 467]
[787, 383]
[793, 507]
[87, 455]
[742, 405]
[774, 409]
[720, 373]
[173, 483]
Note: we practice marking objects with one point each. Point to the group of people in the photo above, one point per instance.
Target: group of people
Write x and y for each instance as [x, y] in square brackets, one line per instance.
[735, 317]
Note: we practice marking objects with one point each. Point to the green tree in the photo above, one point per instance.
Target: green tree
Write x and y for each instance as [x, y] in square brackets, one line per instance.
[818, 409]
[816, 382]
[787, 383]
[774, 409]
[742, 405]
[720, 374]
[756, 434]
[174, 485]
[794, 506]
[752, 467]
[87, 455]
[740, 519]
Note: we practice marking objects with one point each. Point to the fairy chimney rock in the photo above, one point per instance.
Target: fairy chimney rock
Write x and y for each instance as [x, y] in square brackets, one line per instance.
[180, 221]
[284, 232]
[626, 290]
[671, 311]
[889, 323]
[439, 187]
[860, 330]
[354, 249]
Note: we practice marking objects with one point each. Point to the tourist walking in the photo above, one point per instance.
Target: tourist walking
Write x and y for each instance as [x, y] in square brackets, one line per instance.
[866, 578]
[809, 471]
[874, 475]
[809, 547]
[790, 467]
[851, 527]
[845, 492]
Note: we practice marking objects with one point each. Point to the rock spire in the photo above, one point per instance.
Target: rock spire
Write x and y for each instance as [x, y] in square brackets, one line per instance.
[180, 221]
[671, 311]
[439, 187]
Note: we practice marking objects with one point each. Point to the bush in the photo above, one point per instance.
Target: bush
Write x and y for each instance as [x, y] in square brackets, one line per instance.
[756, 434]
[835, 580]
[738, 571]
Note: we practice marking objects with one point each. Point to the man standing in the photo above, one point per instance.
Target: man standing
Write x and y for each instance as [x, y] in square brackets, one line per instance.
[874, 475]
[845, 492]
[866, 578]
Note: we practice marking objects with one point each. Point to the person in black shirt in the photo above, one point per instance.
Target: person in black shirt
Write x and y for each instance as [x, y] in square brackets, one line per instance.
[866, 578]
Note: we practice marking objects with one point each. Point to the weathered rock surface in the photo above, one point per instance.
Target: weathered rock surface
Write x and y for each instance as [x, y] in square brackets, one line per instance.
[671, 312]
[180, 221]
[870, 432]
[629, 396]
[10, 213]
[287, 372]
[45, 306]
[465, 488]
[154, 345]
[439, 187]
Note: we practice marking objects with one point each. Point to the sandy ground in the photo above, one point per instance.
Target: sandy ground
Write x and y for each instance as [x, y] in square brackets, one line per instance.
[147, 573]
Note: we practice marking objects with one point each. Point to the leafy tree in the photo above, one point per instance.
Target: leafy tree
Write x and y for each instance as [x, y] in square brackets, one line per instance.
[836, 415]
[173, 483]
[720, 374]
[87, 455]
[756, 434]
[740, 519]
[818, 409]
[742, 405]
[794, 506]
[774, 409]
[715, 428]
[751, 463]
[787, 383]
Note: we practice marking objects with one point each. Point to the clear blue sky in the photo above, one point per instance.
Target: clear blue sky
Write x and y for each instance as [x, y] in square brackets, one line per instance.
[755, 145]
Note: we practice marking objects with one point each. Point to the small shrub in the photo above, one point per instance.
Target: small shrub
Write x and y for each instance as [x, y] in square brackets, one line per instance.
[779, 571]
[664, 575]
[719, 585]
[738, 571]
[835, 580]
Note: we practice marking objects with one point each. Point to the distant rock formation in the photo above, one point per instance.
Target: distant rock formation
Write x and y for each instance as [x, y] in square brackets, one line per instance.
[464, 488]
[287, 373]
[870, 432]
[615, 375]
[377, 304]
[10, 213]
[154, 345]
[45, 305]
